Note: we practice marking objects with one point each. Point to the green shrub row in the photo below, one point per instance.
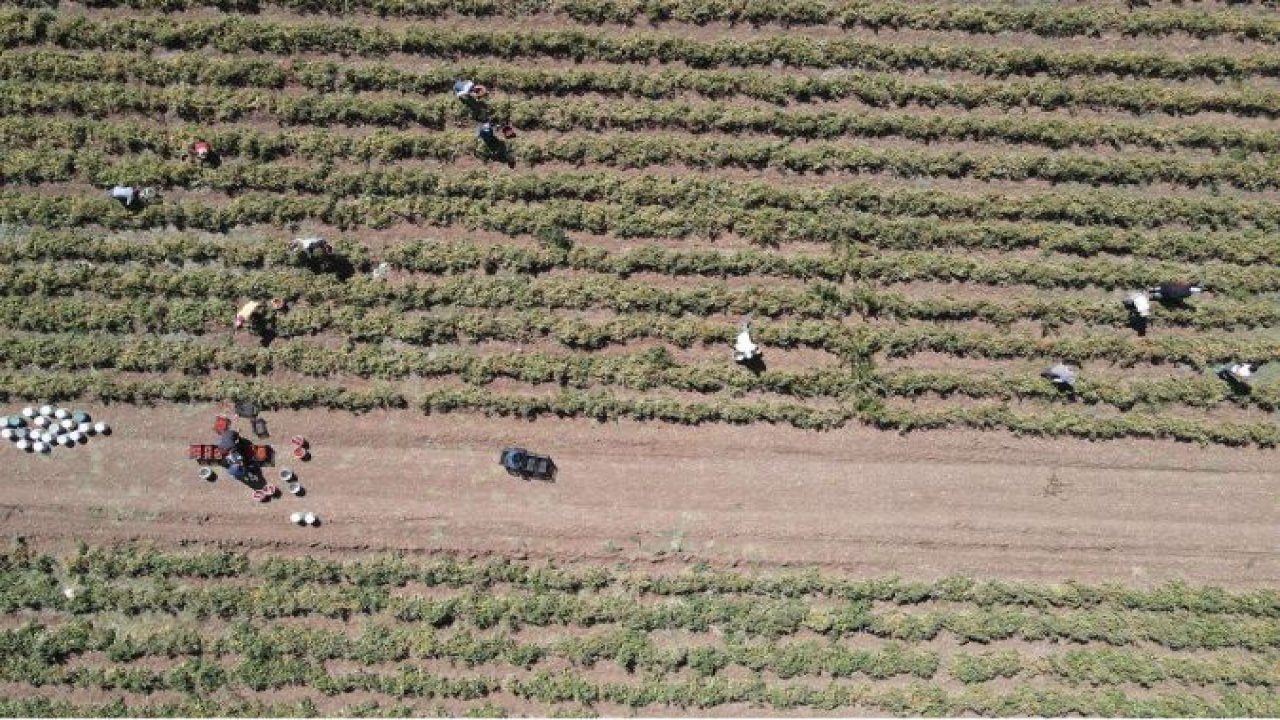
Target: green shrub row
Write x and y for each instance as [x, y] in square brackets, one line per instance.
[563, 114]
[762, 212]
[368, 310]
[604, 406]
[630, 150]
[915, 700]
[994, 19]
[42, 647]
[239, 34]
[814, 299]
[1104, 667]
[761, 617]
[766, 226]
[395, 570]
[647, 370]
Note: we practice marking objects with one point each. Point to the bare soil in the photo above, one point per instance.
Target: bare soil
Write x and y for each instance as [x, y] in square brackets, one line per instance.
[858, 500]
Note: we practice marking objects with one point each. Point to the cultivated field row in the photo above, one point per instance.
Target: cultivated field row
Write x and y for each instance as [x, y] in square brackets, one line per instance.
[845, 14]
[460, 630]
[420, 103]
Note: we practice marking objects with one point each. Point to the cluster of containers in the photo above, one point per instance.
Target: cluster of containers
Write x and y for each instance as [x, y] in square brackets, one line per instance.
[300, 518]
[290, 480]
[42, 429]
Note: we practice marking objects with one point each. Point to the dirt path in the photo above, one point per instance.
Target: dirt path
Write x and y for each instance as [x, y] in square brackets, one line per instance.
[921, 506]
[927, 505]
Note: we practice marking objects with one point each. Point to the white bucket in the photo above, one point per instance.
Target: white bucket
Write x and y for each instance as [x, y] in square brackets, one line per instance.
[28, 412]
[309, 518]
[296, 518]
[286, 475]
[46, 437]
[46, 410]
[206, 473]
[102, 428]
[295, 488]
[40, 447]
[7, 434]
[20, 433]
[75, 436]
[85, 428]
[41, 421]
[61, 413]
[68, 424]
[64, 440]
[23, 445]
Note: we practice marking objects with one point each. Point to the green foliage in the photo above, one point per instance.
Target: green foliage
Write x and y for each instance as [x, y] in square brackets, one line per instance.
[232, 35]
[1202, 649]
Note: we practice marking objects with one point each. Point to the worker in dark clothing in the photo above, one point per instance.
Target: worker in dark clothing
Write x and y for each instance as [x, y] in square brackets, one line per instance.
[468, 90]
[1062, 376]
[1174, 291]
[312, 248]
[1239, 375]
[126, 194]
[201, 152]
[131, 196]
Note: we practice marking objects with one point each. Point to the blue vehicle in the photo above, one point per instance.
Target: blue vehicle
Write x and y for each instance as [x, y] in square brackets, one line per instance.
[522, 463]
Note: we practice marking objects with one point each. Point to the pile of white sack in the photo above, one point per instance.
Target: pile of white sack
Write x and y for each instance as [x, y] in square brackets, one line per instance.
[42, 429]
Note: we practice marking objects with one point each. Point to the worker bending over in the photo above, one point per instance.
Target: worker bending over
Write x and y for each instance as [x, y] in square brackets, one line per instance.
[468, 90]
[744, 350]
[1062, 376]
[1239, 373]
[132, 196]
[312, 247]
[1175, 291]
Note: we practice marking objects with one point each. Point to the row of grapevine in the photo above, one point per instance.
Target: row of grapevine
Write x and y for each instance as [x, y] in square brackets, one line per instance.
[396, 570]
[239, 34]
[734, 617]
[603, 406]
[562, 114]
[1063, 21]
[817, 298]
[646, 370]
[381, 642]
[466, 256]
[567, 697]
[1083, 208]
[671, 321]
[627, 220]
[35, 652]
[193, 316]
[639, 151]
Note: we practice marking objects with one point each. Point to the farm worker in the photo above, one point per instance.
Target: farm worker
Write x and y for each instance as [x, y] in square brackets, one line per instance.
[126, 194]
[743, 349]
[1238, 372]
[200, 151]
[312, 245]
[1140, 303]
[1175, 291]
[246, 312]
[228, 440]
[466, 89]
[1061, 375]
[485, 133]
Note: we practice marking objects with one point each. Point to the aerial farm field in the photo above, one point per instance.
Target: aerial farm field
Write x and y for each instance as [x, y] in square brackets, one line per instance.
[920, 206]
